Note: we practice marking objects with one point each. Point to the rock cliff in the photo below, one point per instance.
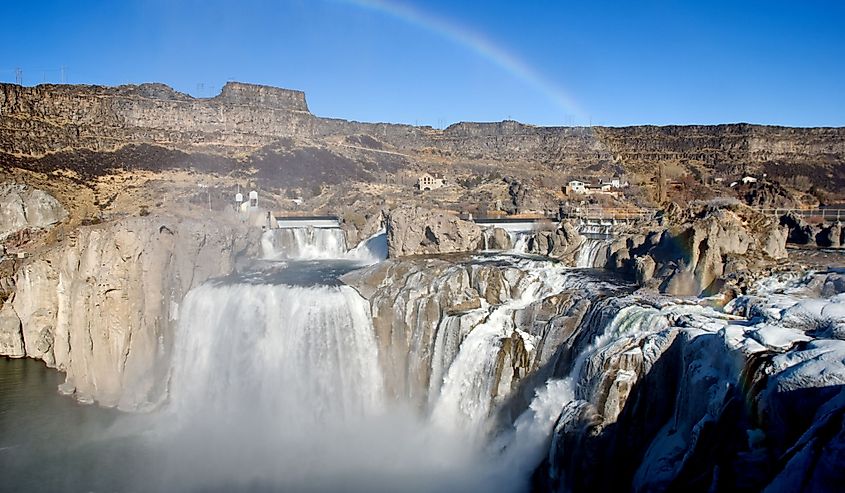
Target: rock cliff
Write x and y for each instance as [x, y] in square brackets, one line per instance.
[418, 231]
[38, 121]
[101, 305]
[668, 393]
[425, 309]
[702, 249]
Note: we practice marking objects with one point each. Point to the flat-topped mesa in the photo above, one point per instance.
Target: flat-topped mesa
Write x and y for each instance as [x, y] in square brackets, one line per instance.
[257, 95]
[39, 120]
[13, 96]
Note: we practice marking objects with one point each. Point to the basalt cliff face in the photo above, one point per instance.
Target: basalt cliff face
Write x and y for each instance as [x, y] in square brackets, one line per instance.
[39, 123]
[101, 304]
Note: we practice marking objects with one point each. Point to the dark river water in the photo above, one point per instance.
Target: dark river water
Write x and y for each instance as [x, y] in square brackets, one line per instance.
[49, 442]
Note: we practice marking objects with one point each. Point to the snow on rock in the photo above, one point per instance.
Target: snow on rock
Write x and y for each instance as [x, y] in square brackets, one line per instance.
[711, 398]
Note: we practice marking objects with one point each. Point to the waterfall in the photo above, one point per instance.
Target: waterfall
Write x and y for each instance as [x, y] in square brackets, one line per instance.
[293, 352]
[371, 250]
[593, 253]
[320, 244]
[468, 389]
[276, 387]
[520, 241]
[303, 243]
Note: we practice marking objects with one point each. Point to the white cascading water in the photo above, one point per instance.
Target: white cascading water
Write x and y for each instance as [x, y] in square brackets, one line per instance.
[320, 244]
[303, 243]
[592, 253]
[278, 387]
[297, 352]
[520, 241]
[465, 398]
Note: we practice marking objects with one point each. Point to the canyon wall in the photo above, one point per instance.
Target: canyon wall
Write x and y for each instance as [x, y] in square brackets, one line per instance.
[52, 118]
[35, 121]
[101, 305]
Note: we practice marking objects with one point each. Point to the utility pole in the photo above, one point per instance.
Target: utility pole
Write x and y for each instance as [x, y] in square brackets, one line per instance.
[19, 76]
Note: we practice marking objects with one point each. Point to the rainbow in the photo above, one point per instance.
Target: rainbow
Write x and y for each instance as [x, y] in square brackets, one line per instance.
[478, 44]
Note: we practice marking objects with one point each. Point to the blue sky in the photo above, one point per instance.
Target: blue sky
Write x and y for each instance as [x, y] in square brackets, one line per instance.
[438, 62]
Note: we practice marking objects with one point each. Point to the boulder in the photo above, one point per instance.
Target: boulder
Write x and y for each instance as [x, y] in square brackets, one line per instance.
[698, 255]
[773, 241]
[499, 239]
[644, 269]
[799, 232]
[562, 243]
[566, 241]
[418, 231]
[830, 236]
[24, 207]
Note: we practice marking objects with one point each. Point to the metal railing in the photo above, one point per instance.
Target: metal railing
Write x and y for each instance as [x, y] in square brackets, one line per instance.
[825, 214]
[610, 213]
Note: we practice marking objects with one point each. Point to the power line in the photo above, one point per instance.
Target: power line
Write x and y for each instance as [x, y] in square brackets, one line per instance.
[46, 73]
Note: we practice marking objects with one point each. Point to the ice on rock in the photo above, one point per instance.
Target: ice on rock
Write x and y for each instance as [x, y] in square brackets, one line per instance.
[775, 337]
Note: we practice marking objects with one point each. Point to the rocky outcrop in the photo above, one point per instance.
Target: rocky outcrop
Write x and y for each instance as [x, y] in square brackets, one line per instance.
[705, 250]
[498, 239]
[688, 398]
[50, 118]
[830, 235]
[563, 243]
[101, 305]
[799, 232]
[517, 192]
[23, 207]
[418, 231]
[768, 194]
[425, 309]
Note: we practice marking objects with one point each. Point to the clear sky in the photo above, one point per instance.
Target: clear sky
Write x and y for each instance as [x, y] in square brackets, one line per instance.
[441, 61]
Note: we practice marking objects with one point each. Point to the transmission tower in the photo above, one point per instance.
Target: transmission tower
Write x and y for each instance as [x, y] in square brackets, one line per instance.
[19, 76]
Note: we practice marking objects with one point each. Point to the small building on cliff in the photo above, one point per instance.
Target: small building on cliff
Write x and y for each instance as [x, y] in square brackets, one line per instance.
[576, 186]
[428, 181]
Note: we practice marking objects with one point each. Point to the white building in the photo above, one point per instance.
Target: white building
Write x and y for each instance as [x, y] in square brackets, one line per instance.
[748, 179]
[576, 186]
[428, 181]
[613, 182]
